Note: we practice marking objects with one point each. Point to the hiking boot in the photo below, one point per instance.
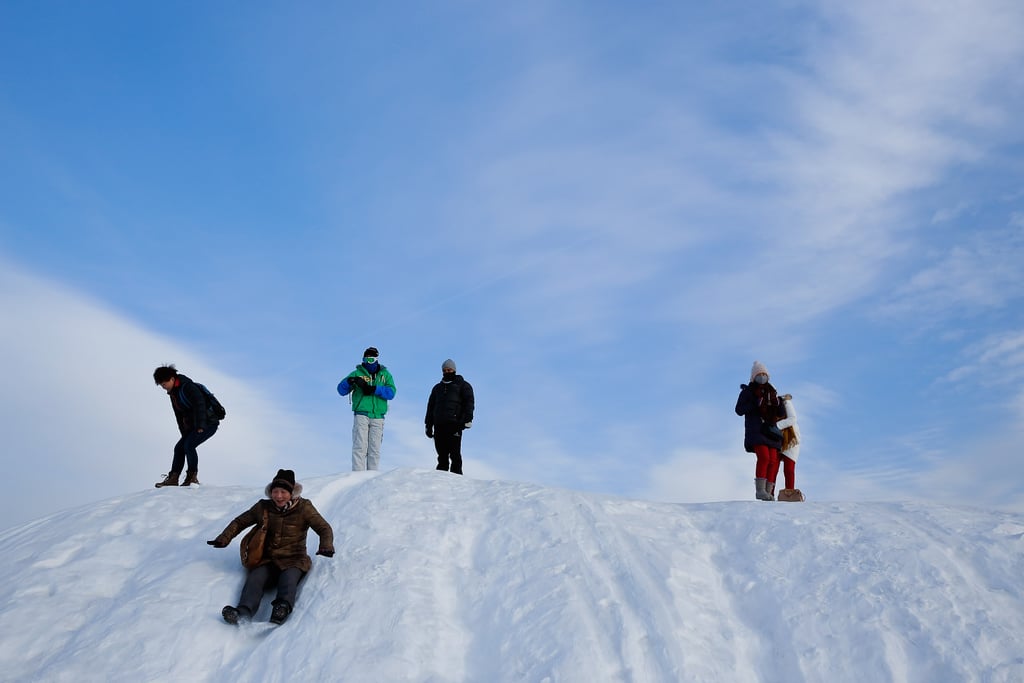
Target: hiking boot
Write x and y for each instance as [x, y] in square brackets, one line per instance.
[170, 480]
[281, 611]
[191, 478]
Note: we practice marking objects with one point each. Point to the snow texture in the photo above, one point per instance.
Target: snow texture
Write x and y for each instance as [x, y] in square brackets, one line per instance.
[443, 578]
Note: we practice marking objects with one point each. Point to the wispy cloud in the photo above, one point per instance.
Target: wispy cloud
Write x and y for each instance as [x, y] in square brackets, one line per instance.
[997, 359]
[980, 273]
[609, 190]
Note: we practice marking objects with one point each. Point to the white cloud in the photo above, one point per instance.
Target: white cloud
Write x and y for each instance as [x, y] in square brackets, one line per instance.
[83, 420]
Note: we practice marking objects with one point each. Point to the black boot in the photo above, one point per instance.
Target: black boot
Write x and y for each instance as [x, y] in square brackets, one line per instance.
[281, 611]
[233, 615]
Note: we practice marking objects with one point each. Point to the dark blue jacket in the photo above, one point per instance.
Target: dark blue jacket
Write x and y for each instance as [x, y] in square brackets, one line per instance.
[761, 408]
[190, 406]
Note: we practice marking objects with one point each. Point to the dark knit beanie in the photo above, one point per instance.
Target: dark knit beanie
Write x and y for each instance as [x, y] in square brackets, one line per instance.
[371, 352]
[284, 479]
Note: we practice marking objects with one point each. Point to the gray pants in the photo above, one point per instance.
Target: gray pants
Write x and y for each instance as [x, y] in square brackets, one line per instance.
[367, 433]
[264, 575]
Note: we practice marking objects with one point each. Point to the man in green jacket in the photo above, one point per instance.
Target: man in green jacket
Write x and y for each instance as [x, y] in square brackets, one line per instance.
[371, 387]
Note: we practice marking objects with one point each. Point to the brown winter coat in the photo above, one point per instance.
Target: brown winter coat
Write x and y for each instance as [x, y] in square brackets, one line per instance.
[286, 532]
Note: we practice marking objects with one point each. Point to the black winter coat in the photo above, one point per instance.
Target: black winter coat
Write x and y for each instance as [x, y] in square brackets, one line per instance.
[192, 412]
[450, 403]
[761, 408]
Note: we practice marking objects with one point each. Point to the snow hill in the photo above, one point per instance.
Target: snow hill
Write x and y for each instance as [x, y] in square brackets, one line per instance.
[444, 578]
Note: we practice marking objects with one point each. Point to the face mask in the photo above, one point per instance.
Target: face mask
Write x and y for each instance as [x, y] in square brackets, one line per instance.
[761, 379]
[447, 376]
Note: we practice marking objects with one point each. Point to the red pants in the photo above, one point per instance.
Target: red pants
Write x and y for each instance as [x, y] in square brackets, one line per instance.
[788, 469]
[767, 462]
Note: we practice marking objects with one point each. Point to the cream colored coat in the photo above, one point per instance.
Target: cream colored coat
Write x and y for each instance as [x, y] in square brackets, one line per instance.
[793, 452]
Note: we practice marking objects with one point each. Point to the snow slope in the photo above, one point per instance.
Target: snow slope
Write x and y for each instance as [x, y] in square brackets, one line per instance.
[443, 578]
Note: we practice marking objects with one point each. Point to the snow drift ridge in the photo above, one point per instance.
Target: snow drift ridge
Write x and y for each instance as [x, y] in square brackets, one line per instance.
[444, 578]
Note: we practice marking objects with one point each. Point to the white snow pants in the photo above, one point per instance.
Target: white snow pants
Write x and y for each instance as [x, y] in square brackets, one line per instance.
[367, 433]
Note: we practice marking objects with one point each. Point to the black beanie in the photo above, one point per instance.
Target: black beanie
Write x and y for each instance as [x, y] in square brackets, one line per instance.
[284, 479]
[372, 351]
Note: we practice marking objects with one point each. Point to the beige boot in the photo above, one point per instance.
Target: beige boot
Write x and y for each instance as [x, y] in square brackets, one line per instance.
[170, 480]
[191, 478]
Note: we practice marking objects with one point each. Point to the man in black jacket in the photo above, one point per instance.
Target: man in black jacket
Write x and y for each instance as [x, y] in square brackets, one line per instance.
[449, 411]
[196, 422]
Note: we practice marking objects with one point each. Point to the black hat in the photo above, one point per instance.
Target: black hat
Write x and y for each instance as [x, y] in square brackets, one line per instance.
[284, 479]
[372, 351]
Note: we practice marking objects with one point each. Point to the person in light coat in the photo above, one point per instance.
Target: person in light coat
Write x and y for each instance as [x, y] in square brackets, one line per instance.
[790, 449]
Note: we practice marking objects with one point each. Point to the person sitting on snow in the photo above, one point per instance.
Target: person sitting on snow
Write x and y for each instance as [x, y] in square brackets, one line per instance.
[288, 518]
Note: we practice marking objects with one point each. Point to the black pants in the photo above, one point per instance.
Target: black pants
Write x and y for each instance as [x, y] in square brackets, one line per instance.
[448, 444]
[185, 449]
[264, 576]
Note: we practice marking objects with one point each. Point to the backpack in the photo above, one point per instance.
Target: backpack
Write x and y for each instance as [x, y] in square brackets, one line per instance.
[213, 406]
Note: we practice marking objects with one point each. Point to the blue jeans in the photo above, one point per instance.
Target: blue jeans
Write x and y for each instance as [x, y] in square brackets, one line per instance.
[185, 449]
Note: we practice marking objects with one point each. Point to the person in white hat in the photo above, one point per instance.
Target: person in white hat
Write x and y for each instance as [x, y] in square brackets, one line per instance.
[758, 404]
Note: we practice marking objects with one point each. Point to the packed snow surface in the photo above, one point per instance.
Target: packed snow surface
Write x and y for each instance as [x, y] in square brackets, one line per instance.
[443, 578]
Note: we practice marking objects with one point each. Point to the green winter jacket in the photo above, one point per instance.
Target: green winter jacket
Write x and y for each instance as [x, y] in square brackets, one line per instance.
[373, 405]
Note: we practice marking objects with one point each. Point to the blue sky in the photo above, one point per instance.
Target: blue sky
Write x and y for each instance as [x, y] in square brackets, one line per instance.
[604, 213]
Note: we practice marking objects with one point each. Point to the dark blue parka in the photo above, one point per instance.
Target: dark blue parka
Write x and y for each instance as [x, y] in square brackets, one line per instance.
[190, 405]
[760, 408]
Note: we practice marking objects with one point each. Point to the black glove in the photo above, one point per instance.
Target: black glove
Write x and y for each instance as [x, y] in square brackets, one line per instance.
[364, 385]
[217, 544]
[430, 432]
[351, 381]
[325, 553]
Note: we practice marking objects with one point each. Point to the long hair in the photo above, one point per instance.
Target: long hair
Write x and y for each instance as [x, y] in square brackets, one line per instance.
[789, 438]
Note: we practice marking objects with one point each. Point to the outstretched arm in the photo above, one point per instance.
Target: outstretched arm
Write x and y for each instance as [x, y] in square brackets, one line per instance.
[242, 521]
